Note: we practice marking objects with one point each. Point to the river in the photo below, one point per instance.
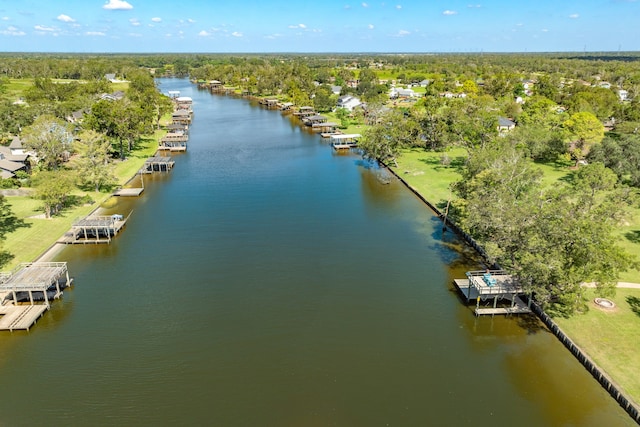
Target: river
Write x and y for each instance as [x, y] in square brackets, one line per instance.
[268, 281]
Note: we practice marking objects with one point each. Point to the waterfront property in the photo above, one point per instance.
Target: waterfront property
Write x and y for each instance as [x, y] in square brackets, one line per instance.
[492, 286]
[94, 229]
[30, 282]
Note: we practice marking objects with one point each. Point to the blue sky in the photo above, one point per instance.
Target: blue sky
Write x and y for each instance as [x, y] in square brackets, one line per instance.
[319, 26]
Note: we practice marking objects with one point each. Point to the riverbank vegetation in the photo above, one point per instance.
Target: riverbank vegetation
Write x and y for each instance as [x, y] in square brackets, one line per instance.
[517, 141]
[78, 140]
[537, 156]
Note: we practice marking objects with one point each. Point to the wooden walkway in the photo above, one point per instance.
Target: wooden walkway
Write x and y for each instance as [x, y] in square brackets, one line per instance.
[45, 279]
[128, 192]
[20, 317]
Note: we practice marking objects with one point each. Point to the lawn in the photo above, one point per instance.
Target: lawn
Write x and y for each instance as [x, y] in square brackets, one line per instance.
[28, 243]
[610, 337]
[425, 171]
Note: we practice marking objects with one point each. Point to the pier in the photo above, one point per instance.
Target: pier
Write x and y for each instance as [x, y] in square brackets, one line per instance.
[30, 282]
[490, 287]
[157, 164]
[94, 229]
[344, 141]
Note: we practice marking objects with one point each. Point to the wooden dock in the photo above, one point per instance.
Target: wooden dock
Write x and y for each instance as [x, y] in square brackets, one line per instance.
[128, 192]
[94, 230]
[20, 317]
[157, 164]
[500, 292]
[30, 282]
[344, 141]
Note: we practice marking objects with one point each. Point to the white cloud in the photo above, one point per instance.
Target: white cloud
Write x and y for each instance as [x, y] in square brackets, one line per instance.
[65, 18]
[574, 16]
[273, 36]
[449, 12]
[545, 30]
[474, 6]
[13, 31]
[43, 28]
[156, 19]
[95, 33]
[402, 33]
[398, 6]
[134, 22]
[346, 6]
[236, 34]
[191, 21]
[302, 26]
[204, 33]
[370, 26]
[117, 5]
[364, 4]
[135, 35]
[5, 18]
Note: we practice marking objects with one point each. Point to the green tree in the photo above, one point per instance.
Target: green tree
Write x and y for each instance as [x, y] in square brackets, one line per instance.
[92, 164]
[53, 188]
[50, 138]
[552, 240]
[384, 140]
[621, 155]
[583, 130]
[323, 100]
[121, 120]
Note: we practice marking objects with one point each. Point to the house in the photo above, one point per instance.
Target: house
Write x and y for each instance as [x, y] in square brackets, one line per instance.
[336, 90]
[348, 102]
[115, 96]
[13, 158]
[406, 93]
[623, 95]
[76, 116]
[505, 125]
[424, 83]
[527, 85]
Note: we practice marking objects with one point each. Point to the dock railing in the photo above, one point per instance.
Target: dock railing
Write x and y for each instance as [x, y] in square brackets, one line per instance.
[493, 282]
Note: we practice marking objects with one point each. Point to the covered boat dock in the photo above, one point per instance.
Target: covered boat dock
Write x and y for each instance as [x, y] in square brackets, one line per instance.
[344, 141]
[491, 286]
[35, 280]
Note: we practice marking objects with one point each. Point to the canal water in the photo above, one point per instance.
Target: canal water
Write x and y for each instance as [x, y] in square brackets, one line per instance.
[268, 281]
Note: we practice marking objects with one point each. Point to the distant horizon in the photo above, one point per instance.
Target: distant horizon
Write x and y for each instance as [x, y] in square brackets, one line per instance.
[558, 52]
[335, 26]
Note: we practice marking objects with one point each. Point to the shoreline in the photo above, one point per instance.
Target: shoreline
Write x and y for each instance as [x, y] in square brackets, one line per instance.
[631, 407]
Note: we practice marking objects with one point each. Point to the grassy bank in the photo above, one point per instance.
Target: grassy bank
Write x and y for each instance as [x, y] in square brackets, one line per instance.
[610, 338]
[28, 243]
[426, 172]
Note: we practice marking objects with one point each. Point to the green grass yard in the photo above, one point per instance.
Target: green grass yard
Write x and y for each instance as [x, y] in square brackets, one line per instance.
[610, 337]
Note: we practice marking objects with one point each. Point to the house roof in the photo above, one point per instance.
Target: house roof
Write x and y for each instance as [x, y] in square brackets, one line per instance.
[504, 122]
[5, 153]
[16, 143]
[10, 166]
